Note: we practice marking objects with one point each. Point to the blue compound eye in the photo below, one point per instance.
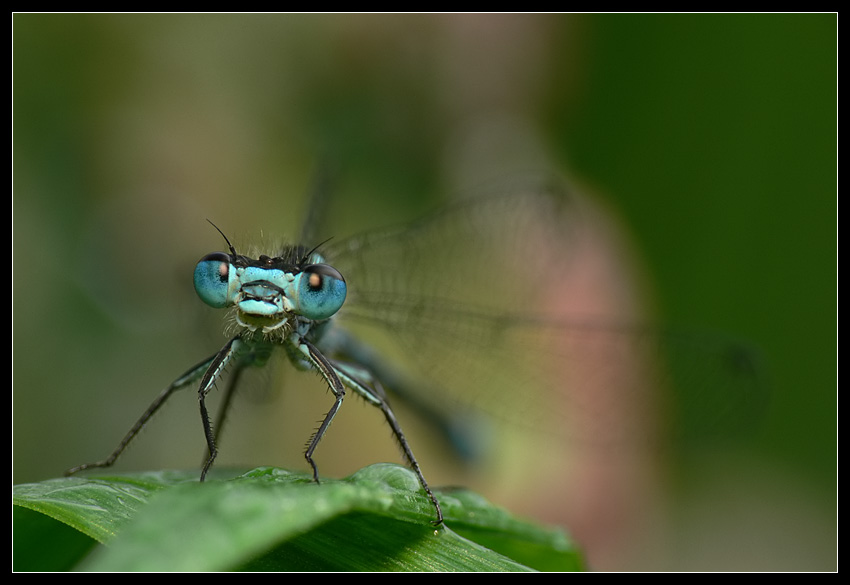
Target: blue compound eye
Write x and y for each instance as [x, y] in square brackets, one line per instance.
[213, 275]
[319, 292]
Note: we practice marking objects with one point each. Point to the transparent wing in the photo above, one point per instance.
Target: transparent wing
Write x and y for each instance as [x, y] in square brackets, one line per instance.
[505, 305]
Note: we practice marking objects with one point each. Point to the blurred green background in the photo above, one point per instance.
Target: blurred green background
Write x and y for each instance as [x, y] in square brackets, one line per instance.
[711, 138]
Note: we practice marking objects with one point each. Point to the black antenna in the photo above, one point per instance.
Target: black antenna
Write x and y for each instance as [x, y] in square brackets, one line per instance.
[229, 245]
[308, 254]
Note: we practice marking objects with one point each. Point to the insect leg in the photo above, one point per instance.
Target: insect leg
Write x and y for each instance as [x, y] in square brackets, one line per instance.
[187, 378]
[257, 355]
[214, 371]
[374, 393]
[227, 398]
[326, 369]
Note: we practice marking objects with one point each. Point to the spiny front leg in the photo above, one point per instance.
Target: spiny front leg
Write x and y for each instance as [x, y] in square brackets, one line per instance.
[326, 369]
[212, 374]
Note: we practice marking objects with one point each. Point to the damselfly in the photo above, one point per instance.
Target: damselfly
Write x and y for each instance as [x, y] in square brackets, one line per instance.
[470, 302]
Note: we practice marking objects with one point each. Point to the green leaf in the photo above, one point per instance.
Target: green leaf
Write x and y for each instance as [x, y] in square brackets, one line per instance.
[35, 534]
[272, 519]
